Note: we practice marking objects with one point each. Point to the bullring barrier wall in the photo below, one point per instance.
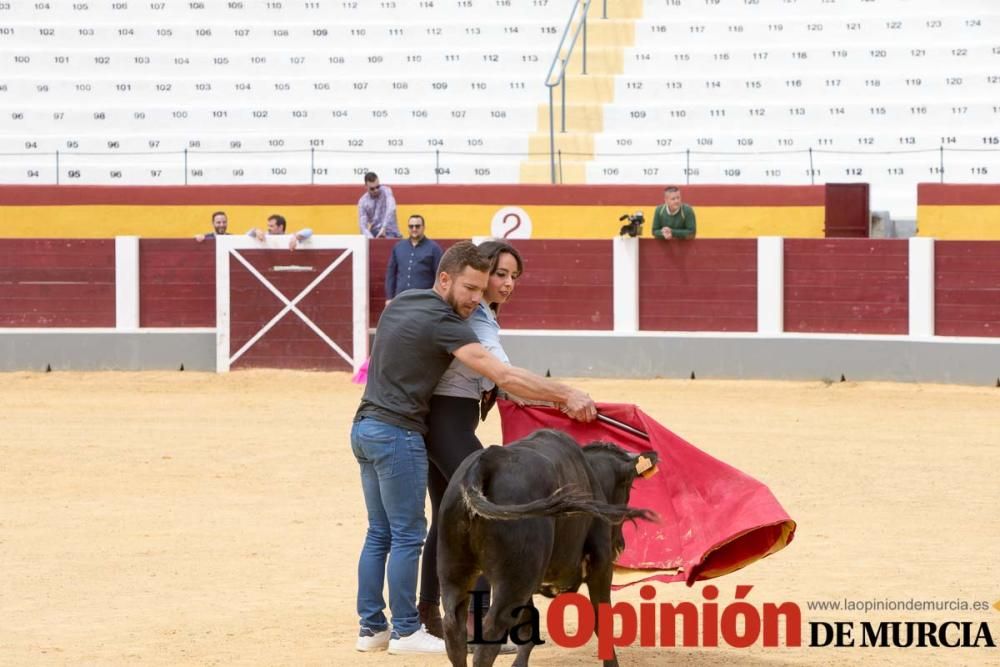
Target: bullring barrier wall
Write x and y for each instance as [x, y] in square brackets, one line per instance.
[915, 309]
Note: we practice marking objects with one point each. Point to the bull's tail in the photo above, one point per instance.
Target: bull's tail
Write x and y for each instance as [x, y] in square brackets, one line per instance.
[564, 501]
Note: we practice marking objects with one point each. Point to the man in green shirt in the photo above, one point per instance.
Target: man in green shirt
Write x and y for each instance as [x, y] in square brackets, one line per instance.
[673, 219]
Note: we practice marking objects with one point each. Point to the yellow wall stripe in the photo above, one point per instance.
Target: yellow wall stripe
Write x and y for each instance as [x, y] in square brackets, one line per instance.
[443, 220]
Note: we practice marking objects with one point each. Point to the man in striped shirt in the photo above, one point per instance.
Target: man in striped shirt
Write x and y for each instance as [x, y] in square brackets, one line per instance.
[377, 210]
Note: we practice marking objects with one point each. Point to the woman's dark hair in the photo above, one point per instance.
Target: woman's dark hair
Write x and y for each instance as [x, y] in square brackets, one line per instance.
[491, 250]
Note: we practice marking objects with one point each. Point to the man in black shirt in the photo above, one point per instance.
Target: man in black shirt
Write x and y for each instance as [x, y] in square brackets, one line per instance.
[417, 337]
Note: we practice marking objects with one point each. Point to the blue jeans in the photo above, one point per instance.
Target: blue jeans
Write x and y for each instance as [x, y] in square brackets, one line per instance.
[394, 480]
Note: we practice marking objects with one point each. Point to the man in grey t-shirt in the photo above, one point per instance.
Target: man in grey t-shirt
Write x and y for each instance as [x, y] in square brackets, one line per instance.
[417, 337]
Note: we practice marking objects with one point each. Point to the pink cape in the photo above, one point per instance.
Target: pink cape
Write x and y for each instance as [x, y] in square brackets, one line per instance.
[713, 519]
[361, 377]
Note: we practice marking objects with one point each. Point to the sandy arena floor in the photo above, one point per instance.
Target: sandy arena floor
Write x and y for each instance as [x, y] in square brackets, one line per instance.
[187, 518]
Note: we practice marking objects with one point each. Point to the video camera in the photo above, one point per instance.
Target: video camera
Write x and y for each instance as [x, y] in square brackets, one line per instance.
[634, 226]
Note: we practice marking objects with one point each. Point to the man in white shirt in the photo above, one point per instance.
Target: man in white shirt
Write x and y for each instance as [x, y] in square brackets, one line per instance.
[276, 226]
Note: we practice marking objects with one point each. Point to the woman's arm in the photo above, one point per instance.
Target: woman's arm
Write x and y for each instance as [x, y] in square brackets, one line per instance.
[526, 384]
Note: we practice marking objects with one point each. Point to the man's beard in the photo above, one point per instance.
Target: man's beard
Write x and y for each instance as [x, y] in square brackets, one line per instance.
[453, 302]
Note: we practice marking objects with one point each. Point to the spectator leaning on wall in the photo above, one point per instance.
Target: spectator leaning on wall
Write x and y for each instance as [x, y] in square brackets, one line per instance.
[276, 225]
[673, 219]
[220, 225]
[377, 210]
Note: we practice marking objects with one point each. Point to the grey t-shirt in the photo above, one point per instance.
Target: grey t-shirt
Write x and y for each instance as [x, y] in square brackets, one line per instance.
[414, 343]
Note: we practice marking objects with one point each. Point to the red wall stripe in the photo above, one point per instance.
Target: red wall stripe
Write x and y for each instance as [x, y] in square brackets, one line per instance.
[176, 283]
[57, 283]
[846, 286]
[967, 288]
[699, 285]
[947, 194]
[522, 195]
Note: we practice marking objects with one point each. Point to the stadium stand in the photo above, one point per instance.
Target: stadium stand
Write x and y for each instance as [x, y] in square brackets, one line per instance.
[891, 92]
[271, 92]
[883, 91]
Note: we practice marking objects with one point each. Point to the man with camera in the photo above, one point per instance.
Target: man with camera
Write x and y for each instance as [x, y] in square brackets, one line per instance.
[673, 219]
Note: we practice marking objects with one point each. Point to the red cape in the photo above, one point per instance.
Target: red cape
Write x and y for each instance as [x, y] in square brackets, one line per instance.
[713, 519]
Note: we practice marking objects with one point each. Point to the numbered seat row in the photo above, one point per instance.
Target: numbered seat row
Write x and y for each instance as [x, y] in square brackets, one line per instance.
[480, 143]
[237, 168]
[110, 120]
[820, 30]
[732, 9]
[272, 10]
[444, 88]
[807, 59]
[891, 119]
[702, 147]
[928, 84]
[248, 61]
[263, 33]
[819, 166]
[738, 140]
[871, 117]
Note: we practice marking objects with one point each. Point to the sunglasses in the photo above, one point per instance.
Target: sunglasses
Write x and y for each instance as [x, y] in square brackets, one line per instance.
[415, 226]
[374, 188]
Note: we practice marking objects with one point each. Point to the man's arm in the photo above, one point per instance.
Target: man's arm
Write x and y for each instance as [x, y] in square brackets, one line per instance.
[436, 254]
[526, 384]
[363, 223]
[688, 231]
[390, 214]
[301, 235]
[658, 222]
[390, 277]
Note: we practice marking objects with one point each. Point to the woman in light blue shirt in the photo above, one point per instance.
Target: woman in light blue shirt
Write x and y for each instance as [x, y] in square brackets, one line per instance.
[455, 413]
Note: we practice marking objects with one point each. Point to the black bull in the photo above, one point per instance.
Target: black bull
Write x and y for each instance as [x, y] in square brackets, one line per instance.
[540, 515]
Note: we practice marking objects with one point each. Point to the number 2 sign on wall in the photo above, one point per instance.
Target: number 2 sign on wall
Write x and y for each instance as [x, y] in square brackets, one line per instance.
[511, 222]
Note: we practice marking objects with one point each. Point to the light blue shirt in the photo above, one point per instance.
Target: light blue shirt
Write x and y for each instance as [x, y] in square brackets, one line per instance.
[460, 380]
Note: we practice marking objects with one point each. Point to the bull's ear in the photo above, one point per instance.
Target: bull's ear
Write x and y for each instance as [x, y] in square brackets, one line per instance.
[645, 466]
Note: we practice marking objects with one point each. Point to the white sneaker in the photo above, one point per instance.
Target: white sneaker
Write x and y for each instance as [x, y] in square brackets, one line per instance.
[420, 641]
[369, 640]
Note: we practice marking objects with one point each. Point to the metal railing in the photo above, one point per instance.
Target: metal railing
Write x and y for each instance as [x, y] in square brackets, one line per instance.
[563, 61]
[185, 166]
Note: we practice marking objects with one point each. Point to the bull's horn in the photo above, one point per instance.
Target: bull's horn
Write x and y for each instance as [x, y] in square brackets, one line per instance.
[644, 466]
